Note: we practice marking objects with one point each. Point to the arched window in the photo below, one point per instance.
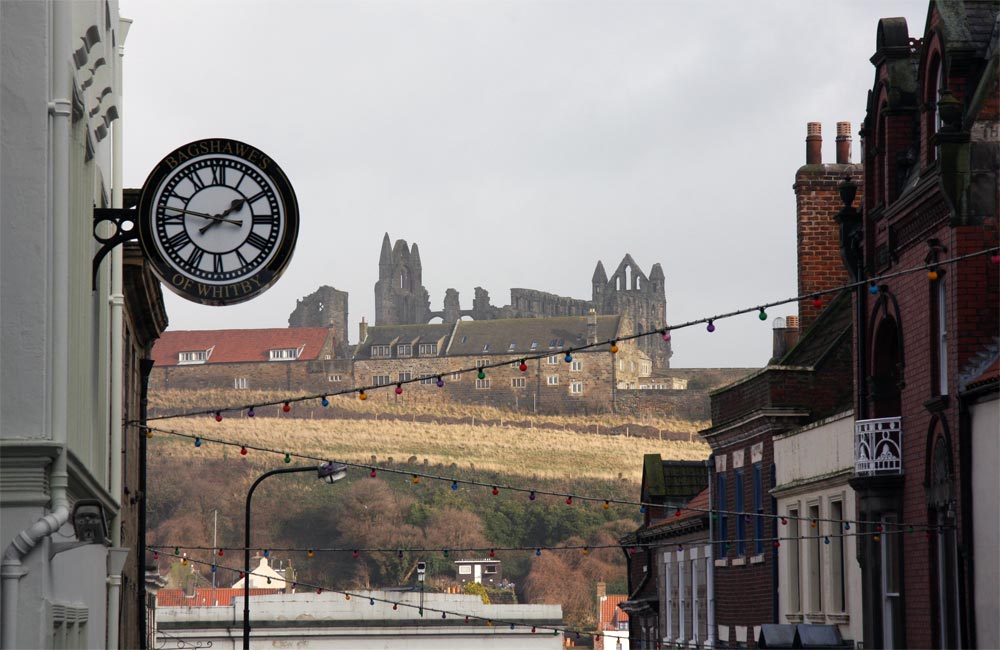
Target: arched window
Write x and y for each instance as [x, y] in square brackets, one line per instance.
[884, 382]
[933, 85]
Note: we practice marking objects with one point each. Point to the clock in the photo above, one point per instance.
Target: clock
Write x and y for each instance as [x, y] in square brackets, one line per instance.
[218, 220]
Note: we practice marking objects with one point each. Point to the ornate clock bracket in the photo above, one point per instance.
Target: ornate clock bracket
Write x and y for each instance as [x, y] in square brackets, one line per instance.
[125, 228]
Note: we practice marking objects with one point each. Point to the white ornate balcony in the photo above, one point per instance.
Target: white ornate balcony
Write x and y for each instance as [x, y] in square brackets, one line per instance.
[878, 447]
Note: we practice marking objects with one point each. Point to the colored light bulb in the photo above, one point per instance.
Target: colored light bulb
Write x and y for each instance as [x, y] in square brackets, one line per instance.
[586, 551]
[218, 416]
[286, 408]
[399, 389]
[445, 552]
[288, 458]
[665, 334]
[523, 366]
[531, 495]
[251, 412]
[267, 553]
[395, 606]
[371, 601]
[492, 553]
[354, 554]
[876, 538]
[642, 509]
[777, 543]
[372, 473]
[482, 374]
[538, 552]
[399, 552]
[310, 553]
[784, 522]
[243, 451]
[607, 505]
[416, 479]
[826, 539]
[932, 275]
[362, 396]
[569, 501]
[440, 382]
[454, 485]
[847, 525]
[156, 555]
[220, 552]
[873, 289]
[213, 568]
[762, 315]
[149, 433]
[680, 548]
[710, 327]
[569, 357]
[197, 442]
[614, 347]
[817, 302]
[325, 401]
[496, 491]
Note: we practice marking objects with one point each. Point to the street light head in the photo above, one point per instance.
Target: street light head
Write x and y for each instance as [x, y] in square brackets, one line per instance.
[332, 472]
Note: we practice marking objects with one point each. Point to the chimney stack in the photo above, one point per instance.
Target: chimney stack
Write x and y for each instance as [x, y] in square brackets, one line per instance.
[814, 143]
[362, 330]
[843, 143]
[592, 326]
[817, 200]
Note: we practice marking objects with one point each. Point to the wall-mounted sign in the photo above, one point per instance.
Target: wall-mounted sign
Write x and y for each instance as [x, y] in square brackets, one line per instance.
[218, 221]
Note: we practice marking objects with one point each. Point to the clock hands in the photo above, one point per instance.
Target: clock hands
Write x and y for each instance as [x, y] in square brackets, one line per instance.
[204, 215]
[233, 207]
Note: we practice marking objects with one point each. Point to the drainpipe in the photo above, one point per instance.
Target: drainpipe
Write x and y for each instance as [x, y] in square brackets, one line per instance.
[60, 113]
[710, 559]
[116, 301]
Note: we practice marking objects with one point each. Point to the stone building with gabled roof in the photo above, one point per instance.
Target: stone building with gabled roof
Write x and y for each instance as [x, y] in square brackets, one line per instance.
[587, 382]
[294, 358]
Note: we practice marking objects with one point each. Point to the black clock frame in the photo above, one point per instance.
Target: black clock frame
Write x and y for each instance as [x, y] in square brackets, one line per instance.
[221, 293]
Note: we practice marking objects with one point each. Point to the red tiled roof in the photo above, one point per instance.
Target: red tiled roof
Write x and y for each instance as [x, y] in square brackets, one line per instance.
[611, 615]
[235, 346]
[991, 373]
[698, 506]
[206, 596]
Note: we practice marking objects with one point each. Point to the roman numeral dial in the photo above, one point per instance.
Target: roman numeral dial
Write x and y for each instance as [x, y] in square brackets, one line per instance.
[218, 221]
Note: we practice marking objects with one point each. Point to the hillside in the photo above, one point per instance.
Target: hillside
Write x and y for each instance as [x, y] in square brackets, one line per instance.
[187, 484]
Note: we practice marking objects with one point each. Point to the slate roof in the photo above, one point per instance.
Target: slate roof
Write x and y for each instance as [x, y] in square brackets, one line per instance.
[671, 479]
[549, 334]
[814, 344]
[236, 346]
[412, 334]
[206, 596]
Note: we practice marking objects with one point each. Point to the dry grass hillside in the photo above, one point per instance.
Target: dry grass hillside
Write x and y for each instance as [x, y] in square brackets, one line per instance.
[598, 447]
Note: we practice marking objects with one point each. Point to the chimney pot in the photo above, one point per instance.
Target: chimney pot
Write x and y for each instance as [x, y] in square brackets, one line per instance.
[843, 143]
[814, 143]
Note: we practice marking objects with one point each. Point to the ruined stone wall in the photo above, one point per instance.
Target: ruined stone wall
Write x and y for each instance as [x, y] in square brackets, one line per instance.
[325, 307]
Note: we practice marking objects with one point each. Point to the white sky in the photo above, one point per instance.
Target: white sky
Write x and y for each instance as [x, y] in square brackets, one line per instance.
[517, 143]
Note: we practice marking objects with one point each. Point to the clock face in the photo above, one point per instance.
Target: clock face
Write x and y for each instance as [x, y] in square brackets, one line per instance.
[218, 221]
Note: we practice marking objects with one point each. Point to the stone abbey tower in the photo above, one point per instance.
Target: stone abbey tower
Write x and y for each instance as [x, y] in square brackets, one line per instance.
[401, 298]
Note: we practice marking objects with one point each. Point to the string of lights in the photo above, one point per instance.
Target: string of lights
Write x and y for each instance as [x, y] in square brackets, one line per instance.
[846, 531]
[663, 331]
[497, 487]
[396, 604]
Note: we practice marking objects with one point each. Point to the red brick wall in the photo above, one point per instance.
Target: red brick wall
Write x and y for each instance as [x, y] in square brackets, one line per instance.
[817, 201]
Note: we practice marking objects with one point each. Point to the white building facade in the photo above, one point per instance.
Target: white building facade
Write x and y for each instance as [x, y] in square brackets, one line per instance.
[366, 621]
[61, 370]
[819, 580]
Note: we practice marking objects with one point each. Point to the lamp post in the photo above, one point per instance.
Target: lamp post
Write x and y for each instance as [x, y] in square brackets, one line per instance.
[330, 472]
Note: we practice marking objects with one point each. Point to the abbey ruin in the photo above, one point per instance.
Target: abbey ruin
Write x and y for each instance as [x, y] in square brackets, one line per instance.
[401, 299]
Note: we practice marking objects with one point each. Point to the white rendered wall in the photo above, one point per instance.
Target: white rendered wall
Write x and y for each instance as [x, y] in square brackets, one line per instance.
[985, 418]
[812, 467]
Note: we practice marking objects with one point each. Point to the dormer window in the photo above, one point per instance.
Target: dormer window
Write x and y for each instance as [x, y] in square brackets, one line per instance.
[510, 348]
[534, 345]
[404, 350]
[486, 348]
[192, 357]
[381, 351]
[427, 349]
[285, 354]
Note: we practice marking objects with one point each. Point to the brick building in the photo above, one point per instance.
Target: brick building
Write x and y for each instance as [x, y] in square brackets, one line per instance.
[925, 341]
[667, 486]
[808, 379]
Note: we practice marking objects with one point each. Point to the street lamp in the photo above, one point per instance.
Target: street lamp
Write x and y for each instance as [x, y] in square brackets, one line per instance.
[330, 472]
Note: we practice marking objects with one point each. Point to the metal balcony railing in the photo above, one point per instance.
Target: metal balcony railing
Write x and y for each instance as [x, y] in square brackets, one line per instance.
[878, 447]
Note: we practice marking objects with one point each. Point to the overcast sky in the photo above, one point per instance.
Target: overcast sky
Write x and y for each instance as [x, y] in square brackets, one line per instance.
[517, 143]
